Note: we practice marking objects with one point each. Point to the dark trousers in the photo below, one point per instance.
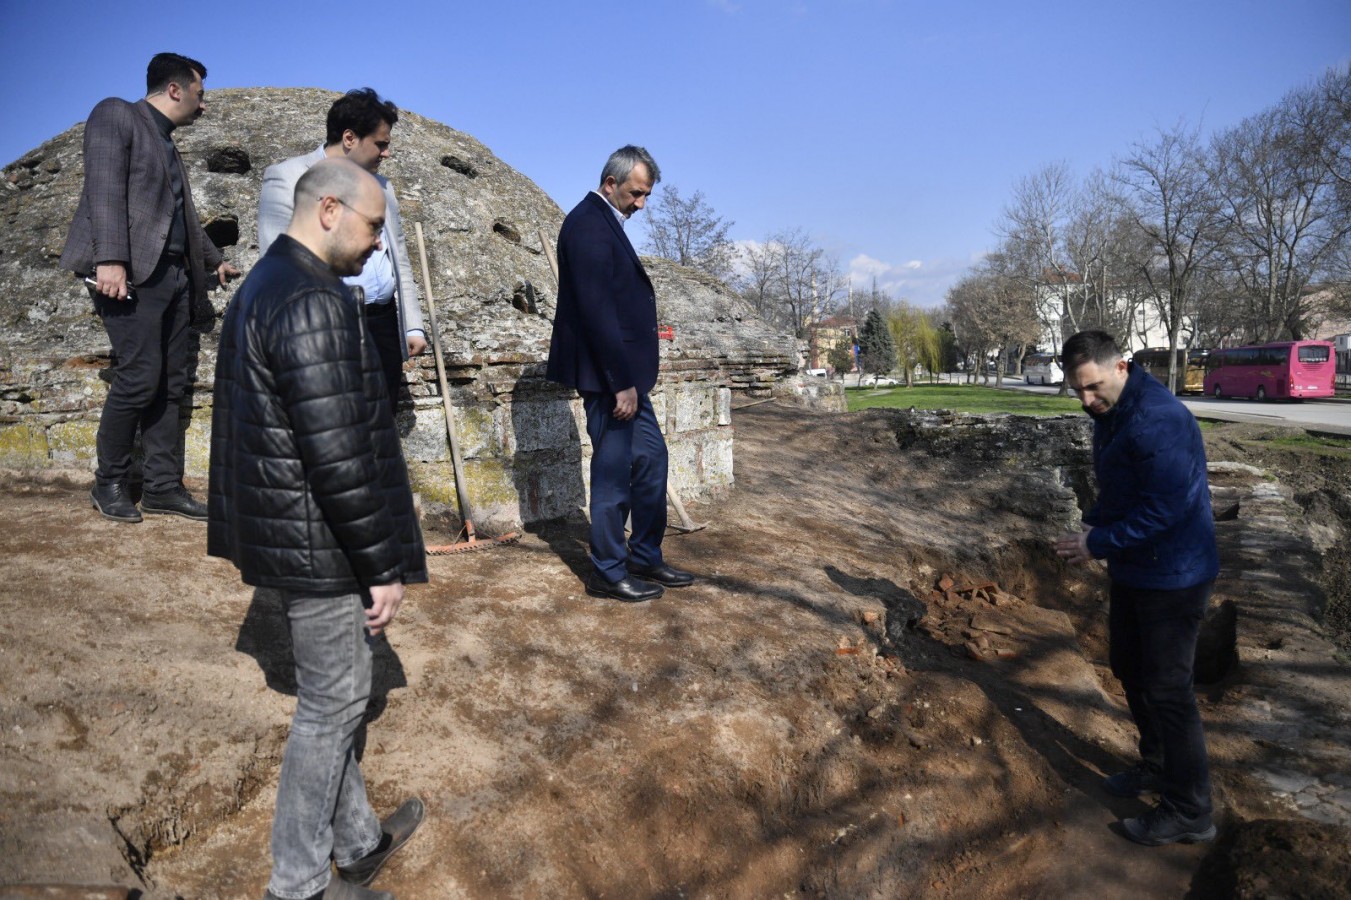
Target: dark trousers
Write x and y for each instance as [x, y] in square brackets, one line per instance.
[382, 323]
[628, 475]
[149, 335]
[1153, 648]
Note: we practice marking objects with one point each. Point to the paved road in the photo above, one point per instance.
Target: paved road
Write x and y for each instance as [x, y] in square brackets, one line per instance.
[1332, 416]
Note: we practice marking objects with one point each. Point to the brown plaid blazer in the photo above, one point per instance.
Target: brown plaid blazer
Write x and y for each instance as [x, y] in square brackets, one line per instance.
[127, 204]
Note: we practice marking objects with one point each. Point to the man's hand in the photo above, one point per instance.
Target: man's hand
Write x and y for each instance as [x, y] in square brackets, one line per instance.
[111, 279]
[626, 404]
[225, 272]
[385, 600]
[1073, 548]
[416, 344]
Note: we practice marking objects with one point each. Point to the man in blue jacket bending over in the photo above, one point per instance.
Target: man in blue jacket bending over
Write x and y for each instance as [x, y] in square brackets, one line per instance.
[605, 345]
[1153, 525]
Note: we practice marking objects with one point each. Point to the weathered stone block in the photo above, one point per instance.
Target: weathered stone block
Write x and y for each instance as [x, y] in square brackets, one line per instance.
[425, 440]
[73, 443]
[724, 403]
[477, 432]
[549, 483]
[23, 446]
[717, 460]
[197, 445]
[662, 408]
[695, 407]
[685, 464]
[543, 425]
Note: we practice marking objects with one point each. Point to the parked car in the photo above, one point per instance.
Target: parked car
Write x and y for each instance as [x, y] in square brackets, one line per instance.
[818, 373]
[877, 381]
[1042, 368]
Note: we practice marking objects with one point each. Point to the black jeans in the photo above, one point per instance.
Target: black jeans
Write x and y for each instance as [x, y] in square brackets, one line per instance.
[382, 323]
[1153, 648]
[149, 335]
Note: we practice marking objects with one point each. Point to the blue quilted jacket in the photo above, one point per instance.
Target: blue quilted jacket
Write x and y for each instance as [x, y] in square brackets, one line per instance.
[1152, 520]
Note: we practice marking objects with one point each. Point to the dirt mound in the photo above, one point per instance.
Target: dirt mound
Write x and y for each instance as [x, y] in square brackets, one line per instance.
[1275, 858]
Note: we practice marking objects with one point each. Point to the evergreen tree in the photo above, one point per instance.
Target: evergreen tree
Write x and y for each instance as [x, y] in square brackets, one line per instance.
[876, 350]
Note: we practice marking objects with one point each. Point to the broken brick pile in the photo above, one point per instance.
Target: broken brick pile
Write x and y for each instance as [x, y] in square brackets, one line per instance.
[969, 626]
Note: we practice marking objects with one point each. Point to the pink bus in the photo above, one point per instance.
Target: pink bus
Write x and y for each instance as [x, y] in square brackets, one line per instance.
[1288, 370]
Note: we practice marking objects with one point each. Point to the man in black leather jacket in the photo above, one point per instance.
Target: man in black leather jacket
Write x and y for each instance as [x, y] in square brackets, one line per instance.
[309, 495]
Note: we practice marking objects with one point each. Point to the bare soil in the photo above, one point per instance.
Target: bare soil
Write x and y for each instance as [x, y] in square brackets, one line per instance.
[809, 719]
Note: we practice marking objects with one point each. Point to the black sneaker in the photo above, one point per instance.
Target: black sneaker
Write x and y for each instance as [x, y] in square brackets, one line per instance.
[341, 890]
[173, 502]
[1162, 825]
[1141, 778]
[113, 502]
[395, 832]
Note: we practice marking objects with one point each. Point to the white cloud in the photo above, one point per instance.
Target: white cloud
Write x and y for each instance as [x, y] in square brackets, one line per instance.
[921, 282]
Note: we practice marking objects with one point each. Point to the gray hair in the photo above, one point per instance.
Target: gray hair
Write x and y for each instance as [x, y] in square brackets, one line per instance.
[621, 162]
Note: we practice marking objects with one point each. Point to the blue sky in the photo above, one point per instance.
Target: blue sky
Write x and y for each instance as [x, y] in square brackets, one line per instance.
[890, 131]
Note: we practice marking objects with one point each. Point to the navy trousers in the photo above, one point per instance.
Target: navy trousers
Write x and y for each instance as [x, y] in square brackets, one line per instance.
[1153, 649]
[628, 475]
[149, 377]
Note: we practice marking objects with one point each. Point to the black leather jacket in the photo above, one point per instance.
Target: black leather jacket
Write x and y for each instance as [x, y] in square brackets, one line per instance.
[309, 490]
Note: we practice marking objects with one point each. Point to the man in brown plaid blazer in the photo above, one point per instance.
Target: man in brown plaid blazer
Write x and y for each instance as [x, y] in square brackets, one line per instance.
[137, 241]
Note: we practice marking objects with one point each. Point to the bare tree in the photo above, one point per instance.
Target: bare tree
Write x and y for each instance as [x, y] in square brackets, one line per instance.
[687, 231]
[1166, 190]
[1281, 209]
[1106, 255]
[990, 311]
[1033, 231]
[790, 281]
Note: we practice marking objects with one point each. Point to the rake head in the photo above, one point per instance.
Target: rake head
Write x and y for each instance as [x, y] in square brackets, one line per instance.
[467, 540]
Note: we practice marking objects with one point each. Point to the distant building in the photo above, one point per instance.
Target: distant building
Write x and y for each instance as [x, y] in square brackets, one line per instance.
[825, 335]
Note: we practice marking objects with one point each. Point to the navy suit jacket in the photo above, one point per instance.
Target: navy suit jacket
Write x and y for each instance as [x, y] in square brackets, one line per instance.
[605, 327]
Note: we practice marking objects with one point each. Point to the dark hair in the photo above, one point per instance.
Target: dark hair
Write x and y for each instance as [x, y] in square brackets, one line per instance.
[1088, 347]
[339, 178]
[167, 68]
[361, 110]
[621, 163]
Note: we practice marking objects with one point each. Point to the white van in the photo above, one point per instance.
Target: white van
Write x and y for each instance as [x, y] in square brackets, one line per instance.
[1042, 368]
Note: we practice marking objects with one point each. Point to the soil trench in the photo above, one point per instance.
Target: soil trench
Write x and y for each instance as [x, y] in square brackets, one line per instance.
[818, 716]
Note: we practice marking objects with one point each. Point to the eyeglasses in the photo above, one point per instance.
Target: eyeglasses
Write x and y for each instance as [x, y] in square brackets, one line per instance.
[376, 225]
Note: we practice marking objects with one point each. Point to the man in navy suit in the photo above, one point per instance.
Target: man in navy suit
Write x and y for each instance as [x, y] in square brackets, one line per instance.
[605, 345]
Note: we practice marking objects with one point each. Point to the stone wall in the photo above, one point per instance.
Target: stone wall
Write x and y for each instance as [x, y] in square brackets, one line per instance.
[486, 226]
[1052, 456]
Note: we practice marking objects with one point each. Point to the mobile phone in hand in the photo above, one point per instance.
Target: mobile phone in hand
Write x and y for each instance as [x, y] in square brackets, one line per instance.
[94, 286]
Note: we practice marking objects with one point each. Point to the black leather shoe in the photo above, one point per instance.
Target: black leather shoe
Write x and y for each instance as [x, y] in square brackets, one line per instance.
[112, 502]
[173, 502]
[663, 574]
[630, 590]
[396, 830]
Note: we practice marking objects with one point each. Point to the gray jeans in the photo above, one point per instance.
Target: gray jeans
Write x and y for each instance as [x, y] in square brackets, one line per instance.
[322, 811]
